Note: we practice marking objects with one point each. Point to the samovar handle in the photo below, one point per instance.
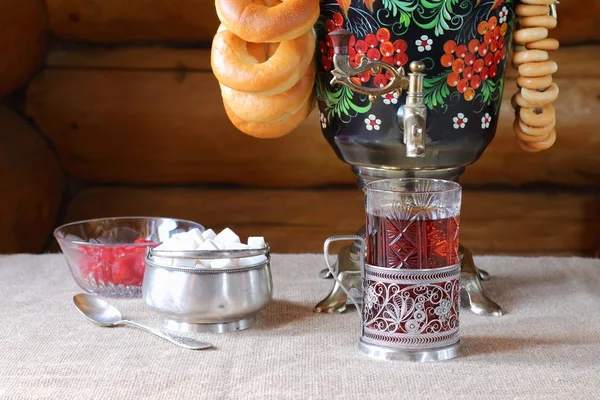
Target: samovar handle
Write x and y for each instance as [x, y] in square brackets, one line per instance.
[412, 117]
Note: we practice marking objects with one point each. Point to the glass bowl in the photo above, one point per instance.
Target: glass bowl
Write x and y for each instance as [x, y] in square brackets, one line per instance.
[107, 256]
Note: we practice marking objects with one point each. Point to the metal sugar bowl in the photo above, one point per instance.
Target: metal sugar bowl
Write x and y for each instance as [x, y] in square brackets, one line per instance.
[411, 89]
[191, 299]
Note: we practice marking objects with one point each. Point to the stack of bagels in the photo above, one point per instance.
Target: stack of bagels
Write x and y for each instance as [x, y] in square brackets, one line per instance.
[262, 57]
[535, 117]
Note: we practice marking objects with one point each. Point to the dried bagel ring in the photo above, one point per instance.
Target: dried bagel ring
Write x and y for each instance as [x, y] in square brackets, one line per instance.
[538, 68]
[521, 102]
[540, 132]
[260, 23]
[525, 146]
[546, 144]
[519, 134]
[234, 67]
[538, 82]
[522, 57]
[538, 116]
[528, 35]
[547, 44]
[257, 108]
[528, 10]
[274, 129]
[545, 21]
[539, 2]
[540, 97]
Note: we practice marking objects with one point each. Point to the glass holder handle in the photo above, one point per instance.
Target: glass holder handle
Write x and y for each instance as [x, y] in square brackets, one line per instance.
[340, 238]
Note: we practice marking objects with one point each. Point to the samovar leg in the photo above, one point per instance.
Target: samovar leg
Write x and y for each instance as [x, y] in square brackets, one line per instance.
[336, 300]
[347, 269]
[472, 295]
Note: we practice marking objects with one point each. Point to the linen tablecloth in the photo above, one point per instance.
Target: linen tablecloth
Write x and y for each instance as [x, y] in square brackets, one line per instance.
[546, 346]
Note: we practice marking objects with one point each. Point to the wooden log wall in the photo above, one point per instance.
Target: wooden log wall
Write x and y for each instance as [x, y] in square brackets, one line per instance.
[31, 179]
[127, 98]
[31, 182]
[23, 26]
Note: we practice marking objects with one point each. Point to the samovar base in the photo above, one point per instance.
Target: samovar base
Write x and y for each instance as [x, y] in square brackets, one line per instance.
[347, 267]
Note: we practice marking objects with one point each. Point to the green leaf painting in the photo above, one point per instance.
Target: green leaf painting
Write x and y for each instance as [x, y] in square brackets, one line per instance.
[436, 90]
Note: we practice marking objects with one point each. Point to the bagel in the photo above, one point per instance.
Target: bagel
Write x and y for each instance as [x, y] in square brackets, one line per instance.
[527, 35]
[547, 44]
[274, 129]
[545, 144]
[234, 67]
[540, 96]
[539, 82]
[260, 23]
[525, 146]
[545, 21]
[521, 102]
[528, 10]
[537, 131]
[538, 116]
[257, 108]
[522, 57]
[535, 69]
[525, 137]
[539, 2]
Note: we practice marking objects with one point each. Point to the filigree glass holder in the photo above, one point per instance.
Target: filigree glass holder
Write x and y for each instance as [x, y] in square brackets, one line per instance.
[410, 269]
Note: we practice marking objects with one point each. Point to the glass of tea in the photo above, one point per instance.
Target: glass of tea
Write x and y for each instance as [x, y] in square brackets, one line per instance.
[410, 269]
[412, 223]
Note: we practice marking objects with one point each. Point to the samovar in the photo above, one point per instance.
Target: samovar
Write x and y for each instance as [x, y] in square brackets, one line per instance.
[411, 88]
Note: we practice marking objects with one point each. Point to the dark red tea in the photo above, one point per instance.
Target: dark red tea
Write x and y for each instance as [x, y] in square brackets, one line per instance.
[411, 243]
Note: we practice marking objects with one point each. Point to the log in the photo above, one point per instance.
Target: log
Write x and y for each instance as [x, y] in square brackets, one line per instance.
[577, 22]
[196, 20]
[171, 122]
[109, 21]
[31, 182]
[22, 41]
[298, 221]
[573, 62]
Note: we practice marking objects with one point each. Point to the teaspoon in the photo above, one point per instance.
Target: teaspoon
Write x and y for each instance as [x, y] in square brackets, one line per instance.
[104, 314]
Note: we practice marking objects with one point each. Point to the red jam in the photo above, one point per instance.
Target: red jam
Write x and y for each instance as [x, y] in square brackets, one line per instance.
[116, 264]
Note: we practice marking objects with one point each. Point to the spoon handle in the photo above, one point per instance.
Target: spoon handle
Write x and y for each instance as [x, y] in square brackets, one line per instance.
[185, 342]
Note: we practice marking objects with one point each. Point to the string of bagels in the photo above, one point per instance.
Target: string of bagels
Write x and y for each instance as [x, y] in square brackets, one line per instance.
[535, 117]
[263, 57]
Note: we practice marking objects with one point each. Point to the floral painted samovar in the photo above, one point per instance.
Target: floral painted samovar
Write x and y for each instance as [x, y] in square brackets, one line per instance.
[411, 88]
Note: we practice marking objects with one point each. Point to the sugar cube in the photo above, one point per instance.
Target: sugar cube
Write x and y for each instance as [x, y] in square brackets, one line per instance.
[209, 234]
[196, 234]
[208, 245]
[248, 261]
[234, 246]
[227, 236]
[186, 243]
[256, 242]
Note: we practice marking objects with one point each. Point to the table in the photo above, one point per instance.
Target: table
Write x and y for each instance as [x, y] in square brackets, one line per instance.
[547, 345]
